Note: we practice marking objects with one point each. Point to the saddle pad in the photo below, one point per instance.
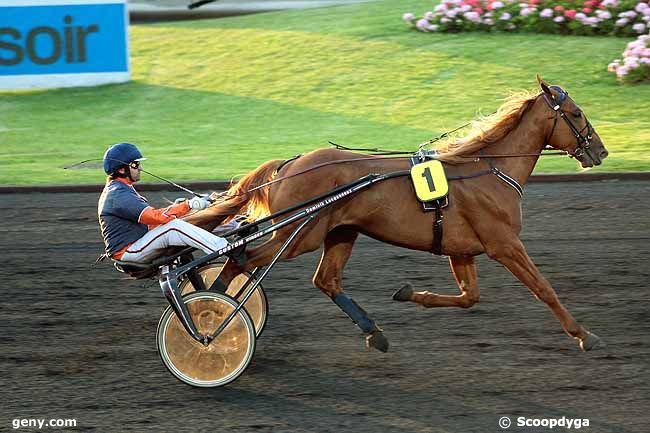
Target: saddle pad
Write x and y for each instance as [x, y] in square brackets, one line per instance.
[429, 181]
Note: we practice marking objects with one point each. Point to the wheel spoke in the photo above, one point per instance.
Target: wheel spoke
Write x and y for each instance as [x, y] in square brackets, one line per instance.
[218, 363]
[257, 304]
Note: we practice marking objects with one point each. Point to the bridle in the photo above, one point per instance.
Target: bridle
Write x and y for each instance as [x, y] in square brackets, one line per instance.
[583, 142]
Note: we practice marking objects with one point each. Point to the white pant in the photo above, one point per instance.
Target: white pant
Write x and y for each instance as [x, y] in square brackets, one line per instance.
[176, 233]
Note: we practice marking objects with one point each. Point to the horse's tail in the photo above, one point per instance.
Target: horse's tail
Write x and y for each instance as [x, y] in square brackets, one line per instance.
[256, 202]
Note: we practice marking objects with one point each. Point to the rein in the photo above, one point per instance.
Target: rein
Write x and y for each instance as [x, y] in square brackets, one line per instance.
[378, 152]
[390, 154]
[340, 161]
[471, 158]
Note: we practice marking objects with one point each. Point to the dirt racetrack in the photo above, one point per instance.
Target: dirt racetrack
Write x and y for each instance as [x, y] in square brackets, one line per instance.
[78, 340]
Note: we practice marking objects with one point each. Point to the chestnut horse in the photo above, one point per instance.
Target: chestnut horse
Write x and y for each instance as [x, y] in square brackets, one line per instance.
[484, 214]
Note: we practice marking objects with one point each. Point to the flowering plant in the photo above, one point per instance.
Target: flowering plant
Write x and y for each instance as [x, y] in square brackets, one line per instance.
[636, 61]
[577, 17]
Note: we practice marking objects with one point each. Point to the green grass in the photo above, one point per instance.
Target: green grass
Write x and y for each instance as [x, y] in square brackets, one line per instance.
[213, 99]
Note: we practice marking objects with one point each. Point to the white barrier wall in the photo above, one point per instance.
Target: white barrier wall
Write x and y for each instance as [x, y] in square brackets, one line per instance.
[63, 43]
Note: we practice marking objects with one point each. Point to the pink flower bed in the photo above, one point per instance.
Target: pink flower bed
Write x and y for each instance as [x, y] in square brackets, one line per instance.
[635, 66]
[581, 17]
[575, 17]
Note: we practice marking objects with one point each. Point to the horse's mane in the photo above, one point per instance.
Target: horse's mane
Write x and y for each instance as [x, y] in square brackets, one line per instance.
[488, 129]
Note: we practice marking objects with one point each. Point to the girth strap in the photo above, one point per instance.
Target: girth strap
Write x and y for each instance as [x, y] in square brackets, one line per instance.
[437, 230]
[436, 206]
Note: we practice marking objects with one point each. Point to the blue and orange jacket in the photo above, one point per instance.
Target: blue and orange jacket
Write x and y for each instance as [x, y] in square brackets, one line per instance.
[125, 216]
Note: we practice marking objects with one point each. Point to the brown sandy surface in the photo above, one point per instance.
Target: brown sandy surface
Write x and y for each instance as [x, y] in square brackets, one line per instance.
[78, 340]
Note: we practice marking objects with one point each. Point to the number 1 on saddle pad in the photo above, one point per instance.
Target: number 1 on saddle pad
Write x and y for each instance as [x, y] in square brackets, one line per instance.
[429, 180]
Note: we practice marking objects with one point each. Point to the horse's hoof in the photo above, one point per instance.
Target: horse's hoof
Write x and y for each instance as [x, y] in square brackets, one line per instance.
[404, 294]
[591, 342]
[378, 341]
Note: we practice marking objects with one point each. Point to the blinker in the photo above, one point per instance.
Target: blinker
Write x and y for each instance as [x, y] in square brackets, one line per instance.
[562, 94]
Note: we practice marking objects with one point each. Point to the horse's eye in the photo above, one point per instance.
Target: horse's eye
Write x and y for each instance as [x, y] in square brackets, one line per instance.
[577, 114]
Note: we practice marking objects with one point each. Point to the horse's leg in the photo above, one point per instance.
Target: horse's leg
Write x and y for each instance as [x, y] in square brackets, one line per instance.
[514, 257]
[259, 256]
[328, 278]
[309, 240]
[464, 270]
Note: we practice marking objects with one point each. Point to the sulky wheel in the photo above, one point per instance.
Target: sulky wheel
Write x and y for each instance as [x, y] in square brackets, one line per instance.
[220, 362]
[257, 305]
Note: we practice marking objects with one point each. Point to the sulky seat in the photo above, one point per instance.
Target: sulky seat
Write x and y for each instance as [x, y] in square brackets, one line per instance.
[147, 270]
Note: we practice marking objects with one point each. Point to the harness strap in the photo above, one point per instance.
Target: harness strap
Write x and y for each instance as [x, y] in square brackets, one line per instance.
[583, 142]
[436, 206]
[508, 180]
[470, 176]
[277, 170]
[437, 230]
[502, 176]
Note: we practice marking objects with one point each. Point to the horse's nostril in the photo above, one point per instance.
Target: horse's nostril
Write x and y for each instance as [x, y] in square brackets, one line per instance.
[604, 154]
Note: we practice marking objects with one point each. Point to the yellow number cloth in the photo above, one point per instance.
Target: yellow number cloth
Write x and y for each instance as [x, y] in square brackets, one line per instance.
[429, 180]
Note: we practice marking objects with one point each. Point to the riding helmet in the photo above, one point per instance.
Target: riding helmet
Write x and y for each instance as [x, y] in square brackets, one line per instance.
[119, 155]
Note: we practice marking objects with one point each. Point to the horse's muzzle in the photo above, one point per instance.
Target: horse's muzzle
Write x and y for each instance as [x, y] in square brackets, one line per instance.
[591, 155]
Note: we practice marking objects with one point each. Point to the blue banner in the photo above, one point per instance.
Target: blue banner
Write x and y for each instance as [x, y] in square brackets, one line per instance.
[63, 38]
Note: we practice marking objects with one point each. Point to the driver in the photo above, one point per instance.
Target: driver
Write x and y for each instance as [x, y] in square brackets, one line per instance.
[132, 230]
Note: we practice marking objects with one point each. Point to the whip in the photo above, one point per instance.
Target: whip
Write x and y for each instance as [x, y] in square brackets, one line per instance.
[81, 165]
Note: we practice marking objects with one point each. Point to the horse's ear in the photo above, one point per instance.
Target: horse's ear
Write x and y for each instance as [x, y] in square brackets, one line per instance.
[544, 86]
